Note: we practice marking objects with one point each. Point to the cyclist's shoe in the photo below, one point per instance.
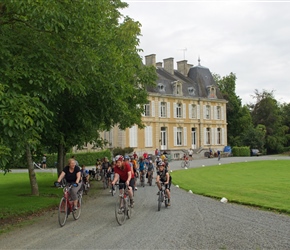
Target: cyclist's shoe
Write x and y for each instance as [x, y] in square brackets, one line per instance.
[168, 204]
[158, 192]
[136, 188]
[110, 191]
[121, 210]
[132, 202]
[75, 208]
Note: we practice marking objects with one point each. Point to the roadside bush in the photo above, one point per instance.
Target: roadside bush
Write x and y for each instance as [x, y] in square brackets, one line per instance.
[122, 151]
[241, 151]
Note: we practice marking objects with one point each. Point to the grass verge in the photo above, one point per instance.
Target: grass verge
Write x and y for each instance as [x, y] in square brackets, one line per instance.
[263, 184]
[18, 207]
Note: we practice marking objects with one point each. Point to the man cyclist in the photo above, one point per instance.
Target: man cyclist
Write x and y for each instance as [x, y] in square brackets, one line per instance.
[123, 173]
[132, 181]
[104, 169]
[142, 165]
[150, 169]
[85, 174]
[163, 177]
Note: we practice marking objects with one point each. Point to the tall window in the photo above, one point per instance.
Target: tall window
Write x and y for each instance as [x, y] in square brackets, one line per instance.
[207, 112]
[193, 111]
[179, 136]
[178, 110]
[147, 109]
[207, 139]
[219, 136]
[218, 112]
[163, 109]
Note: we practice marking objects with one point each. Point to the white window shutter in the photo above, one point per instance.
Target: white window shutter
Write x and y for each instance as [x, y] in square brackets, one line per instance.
[159, 109]
[190, 111]
[174, 107]
[204, 111]
[148, 136]
[153, 108]
[184, 136]
[175, 135]
[212, 131]
[223, 136]
[205, 142]
[215, 112]
[168, 109]
[222, 112]
[211, 113]
[198, 112]
[184, 110]
[133, 136]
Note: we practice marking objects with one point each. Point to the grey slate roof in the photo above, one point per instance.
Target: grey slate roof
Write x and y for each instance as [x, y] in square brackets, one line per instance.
[194, 85]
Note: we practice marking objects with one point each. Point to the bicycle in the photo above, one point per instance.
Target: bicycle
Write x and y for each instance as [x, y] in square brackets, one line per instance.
[162, 197]
[123, 208]
[142, 178]
[185, 163]
[113, 190]
[85, 185]
[105, 181]
[66, 204]
[150, 177]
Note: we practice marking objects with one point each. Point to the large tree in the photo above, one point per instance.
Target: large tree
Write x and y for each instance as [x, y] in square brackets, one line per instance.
[238, 116]
[266, 111]
[79, 60]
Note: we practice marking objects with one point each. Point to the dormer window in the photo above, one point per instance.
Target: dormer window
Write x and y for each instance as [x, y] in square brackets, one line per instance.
[161, 87]
[191, 91]
[177, 88]
[211, 92]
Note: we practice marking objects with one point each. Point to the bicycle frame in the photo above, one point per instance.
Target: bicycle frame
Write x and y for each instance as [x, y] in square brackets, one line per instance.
[162, 197]
[66, 205]
[123, 206]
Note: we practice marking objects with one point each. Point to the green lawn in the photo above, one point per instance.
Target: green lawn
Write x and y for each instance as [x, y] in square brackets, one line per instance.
[264, 184]
[15, 194]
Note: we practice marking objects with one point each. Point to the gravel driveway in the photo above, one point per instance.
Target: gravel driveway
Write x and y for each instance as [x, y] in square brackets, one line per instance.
[192, 222]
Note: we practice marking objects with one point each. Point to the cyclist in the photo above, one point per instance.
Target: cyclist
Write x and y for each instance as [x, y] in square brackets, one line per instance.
[157, 160]
[72, 175]
[150, 169]
[132, 181]
[142, 165]
[85, 174]
[163, 177]
[132, 160]
[123, 174]
[104, 168]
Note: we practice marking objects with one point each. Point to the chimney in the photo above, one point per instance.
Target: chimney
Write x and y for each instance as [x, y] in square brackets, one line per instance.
[150, 60]
[159, 64]
[168, 65]
[182, 67]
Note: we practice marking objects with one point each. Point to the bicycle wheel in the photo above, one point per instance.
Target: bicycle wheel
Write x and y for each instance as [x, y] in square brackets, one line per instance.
[62, 212]
[166, 201]
[128, 208]
[159, 200]
[188, 164]
[77, 213]
[120, 212]
[150, 180]
[182, 164]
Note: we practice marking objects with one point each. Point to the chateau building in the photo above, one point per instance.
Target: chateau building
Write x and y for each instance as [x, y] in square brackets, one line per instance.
[185, 110]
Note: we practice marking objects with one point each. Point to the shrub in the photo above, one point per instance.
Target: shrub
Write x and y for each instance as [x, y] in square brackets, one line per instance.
[241, 151]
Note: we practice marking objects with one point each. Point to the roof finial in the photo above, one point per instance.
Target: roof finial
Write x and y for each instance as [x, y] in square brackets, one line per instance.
[198, 60]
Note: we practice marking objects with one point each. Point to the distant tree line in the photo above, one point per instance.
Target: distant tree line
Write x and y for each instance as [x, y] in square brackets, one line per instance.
[263, 124]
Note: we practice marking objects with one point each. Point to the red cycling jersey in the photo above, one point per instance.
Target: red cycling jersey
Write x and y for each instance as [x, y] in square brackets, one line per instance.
[123, 173]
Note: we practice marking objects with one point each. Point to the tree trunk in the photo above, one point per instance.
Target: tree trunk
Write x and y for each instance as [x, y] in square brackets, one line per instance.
[60, 158]
[32, 176]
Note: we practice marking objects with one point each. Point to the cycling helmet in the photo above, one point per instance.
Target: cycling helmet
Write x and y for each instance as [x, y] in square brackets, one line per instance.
[127, 157]
[161, 163]
[119, 158]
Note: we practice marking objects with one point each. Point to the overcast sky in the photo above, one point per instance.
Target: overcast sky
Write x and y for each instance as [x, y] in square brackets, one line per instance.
[249, 38]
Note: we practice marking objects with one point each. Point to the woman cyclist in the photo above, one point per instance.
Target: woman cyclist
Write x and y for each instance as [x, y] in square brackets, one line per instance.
[72, 174]
[163, 177]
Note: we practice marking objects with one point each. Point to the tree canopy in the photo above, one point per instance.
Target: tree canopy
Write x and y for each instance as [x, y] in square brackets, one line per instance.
[68, 69]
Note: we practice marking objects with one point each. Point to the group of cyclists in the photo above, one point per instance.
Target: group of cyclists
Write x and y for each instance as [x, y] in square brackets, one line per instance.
[124, 170]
